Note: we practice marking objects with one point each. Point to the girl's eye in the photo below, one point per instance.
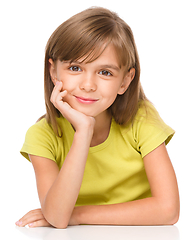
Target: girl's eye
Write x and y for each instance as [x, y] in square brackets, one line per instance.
[105, 73]
[75, 69]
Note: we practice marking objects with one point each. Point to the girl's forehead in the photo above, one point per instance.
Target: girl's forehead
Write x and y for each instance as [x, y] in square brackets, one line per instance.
[106, 51]
[107, 54]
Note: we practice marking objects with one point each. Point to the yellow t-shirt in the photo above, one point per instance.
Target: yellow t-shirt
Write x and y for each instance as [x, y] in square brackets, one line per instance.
[114, 171]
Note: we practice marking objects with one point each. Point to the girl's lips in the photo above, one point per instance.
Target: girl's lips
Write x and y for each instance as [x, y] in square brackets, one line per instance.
[86, 100]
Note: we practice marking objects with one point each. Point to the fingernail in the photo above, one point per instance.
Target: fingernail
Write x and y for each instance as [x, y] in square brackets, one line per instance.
[30, 224]
[57, 82]
[18, 223]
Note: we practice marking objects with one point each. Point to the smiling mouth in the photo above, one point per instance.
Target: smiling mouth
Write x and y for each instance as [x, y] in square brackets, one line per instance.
[86, 100]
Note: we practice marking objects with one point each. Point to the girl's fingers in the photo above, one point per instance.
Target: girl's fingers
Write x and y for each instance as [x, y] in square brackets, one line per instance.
[40, 223]
[57, 100]
[56, 91]
[32, 216]
[57, 96]
[24, 221]
[60, 96]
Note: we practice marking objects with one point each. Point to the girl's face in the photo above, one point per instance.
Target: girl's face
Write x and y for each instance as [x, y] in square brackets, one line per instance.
[92, 87]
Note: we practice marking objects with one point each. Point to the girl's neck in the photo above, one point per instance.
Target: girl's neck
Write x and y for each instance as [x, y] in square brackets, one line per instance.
[102, 128]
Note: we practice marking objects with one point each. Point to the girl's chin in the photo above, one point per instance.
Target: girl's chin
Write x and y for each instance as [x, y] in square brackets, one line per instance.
[86, 112]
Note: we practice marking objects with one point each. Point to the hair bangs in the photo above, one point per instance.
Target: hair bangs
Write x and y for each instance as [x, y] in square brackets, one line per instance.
[87, 37]
[87, 41]
[124, 48]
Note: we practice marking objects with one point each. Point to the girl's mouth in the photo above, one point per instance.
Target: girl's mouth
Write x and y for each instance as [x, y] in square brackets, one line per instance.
[86, 100]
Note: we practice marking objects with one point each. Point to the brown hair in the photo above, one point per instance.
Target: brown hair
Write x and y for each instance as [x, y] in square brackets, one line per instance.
[84, 35]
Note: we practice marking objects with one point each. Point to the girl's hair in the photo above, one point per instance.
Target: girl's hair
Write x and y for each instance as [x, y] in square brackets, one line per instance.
[83, 36]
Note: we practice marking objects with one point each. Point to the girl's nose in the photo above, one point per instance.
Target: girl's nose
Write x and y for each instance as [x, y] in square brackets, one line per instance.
[88, 84]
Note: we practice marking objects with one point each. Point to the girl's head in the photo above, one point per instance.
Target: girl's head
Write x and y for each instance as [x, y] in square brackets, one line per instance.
[85, 36]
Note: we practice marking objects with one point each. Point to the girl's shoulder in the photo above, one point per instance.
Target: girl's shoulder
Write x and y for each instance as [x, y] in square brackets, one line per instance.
[148, 130]
[41, 140]
[146, 111]
[146, 114]
[42, 126]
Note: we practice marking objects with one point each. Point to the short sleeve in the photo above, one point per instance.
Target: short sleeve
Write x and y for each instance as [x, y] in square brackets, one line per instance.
[150, 130]
[39, 141]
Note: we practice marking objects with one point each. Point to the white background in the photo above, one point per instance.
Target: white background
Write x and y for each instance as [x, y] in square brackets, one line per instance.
[165, 34]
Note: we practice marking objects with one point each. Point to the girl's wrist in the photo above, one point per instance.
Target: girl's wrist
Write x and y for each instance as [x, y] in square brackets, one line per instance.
[85, 131]
[83, 137]
[87, 126]
[76, 217]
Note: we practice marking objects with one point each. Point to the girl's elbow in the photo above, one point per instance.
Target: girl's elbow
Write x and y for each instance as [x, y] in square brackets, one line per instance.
[172, 214]
[56, 221]
[58, 224]
[175, 217]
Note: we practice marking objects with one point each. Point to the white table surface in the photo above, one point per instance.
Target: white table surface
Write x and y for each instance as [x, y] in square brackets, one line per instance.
[87, 232]
[94, 233]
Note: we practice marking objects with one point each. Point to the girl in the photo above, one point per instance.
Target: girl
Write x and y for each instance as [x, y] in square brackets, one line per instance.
[99, 153]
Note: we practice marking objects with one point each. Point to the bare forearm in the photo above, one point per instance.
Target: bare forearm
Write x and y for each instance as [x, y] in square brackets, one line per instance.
[147, 211]
[60, 200]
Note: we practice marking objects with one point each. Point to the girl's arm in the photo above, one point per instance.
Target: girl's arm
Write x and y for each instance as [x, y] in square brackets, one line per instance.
[161, 209]
[58, 203]
[58, 190]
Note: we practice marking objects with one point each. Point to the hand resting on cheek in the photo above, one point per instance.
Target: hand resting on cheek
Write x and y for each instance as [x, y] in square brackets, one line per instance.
[77, 119]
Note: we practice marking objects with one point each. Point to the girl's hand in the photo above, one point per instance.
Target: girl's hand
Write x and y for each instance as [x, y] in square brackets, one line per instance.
[34, 218]
[77, 119]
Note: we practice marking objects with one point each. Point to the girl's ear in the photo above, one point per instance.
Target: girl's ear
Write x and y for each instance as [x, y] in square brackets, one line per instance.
[52, 71]
[127, 81]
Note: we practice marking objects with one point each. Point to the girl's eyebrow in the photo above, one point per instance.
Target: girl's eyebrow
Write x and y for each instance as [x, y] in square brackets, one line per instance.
[111, 66]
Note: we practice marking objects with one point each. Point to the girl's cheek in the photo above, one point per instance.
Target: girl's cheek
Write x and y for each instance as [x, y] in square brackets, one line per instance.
[68, 85]
[65, 85]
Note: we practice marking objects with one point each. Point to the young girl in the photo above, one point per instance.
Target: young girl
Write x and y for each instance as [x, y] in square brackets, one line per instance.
[99, 153]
